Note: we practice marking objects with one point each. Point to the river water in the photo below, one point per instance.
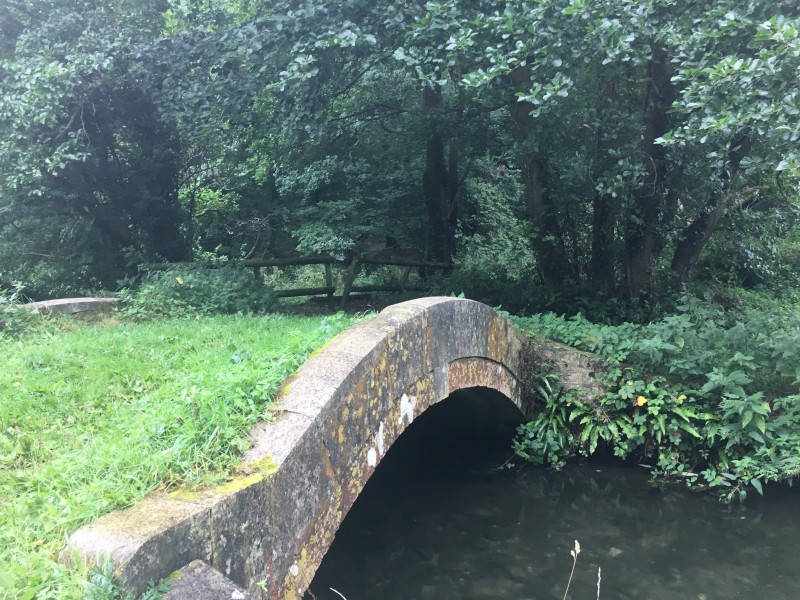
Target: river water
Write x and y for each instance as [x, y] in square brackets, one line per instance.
[439, 520]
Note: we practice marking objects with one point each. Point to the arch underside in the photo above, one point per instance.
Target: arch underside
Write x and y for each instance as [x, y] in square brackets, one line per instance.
[350, 470]
[432, 348]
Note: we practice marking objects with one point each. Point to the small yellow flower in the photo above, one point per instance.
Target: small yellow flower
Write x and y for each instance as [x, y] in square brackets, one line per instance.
[641, 401]
[179, 280]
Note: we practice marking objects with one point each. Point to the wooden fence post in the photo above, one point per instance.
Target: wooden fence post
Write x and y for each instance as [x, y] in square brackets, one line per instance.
[348, 282]
[404, 278]
[329, 283]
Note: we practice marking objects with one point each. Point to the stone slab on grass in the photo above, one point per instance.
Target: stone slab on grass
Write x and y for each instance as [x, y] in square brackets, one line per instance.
[78, 307]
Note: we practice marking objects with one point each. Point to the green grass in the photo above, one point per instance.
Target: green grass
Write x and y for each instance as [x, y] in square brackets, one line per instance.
[94, 418]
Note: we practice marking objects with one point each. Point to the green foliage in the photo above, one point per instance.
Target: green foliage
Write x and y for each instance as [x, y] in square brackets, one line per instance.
[703, 395]
[757, 244]
[88, 164]
[94, 418]
[101, 585]
[345, 204]
[495, 262]
[15, 320]
[548, 438]
[197, 291]
[144, 129]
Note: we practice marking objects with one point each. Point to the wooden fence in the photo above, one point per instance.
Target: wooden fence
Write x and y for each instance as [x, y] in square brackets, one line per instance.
[353, 265]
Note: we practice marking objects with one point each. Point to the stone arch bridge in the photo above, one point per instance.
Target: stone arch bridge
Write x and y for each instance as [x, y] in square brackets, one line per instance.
[265, 533]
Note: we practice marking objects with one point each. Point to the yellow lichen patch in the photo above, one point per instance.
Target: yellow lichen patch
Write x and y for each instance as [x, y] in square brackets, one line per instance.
[184, 494]
[360, 389]
[321, 348]
[253, 472]
[497, 339]
[239, 483]
[305, 573]
[266, 466]
[283, 391]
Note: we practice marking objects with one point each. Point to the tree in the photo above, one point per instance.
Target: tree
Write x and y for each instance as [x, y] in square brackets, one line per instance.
[88, 163]
[635, 127]
[683, 106]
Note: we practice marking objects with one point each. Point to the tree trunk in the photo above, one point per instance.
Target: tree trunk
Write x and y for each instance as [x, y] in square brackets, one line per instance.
[693, 240]
[602, 262]
[643, 242]
[549, 240]
[697, 234]
[440, 183]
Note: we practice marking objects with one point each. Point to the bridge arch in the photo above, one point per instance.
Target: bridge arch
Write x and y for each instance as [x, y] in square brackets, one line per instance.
[338, 416]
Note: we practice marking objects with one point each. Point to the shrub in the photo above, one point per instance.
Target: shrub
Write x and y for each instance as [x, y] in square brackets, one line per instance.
[14, 319]
[495, 262]
[196, 291]
[706, 396]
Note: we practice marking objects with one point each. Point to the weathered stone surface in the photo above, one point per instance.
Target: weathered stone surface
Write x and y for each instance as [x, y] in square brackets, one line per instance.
[198, 581]
[160, 534]
[79, 307]
[576, 370]
[268, 531]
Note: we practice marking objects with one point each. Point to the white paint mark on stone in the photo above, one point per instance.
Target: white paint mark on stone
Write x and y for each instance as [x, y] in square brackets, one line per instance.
[379, 440]
[294, 570]
[236, 595]
[372, 457]
[407, 408]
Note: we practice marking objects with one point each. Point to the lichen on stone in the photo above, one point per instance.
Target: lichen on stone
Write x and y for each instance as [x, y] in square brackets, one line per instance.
[258, 471]
[239, 483]
[266, 466]
[183, 493]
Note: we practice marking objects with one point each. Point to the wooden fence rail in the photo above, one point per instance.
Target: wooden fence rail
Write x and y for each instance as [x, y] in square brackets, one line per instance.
[353, 268]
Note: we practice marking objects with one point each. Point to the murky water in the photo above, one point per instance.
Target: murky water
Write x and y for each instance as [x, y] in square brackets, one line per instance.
[439, 521]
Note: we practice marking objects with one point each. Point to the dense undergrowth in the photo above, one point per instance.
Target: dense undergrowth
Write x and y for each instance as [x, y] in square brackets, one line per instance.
[706, 395]
[181, 292]
[94, 417]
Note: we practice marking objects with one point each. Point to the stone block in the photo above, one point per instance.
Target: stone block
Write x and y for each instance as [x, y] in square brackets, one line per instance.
[198, 581]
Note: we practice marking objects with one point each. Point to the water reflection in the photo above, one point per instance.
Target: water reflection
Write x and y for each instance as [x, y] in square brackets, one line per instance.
[439, 521]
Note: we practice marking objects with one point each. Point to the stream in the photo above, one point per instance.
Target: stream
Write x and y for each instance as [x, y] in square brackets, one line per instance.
[441, 519]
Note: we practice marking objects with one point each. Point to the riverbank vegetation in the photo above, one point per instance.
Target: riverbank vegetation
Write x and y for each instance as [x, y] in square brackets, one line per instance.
[704, 395]
[96, 416]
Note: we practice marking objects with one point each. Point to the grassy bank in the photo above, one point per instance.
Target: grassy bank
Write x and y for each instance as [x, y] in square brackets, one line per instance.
[95, 417]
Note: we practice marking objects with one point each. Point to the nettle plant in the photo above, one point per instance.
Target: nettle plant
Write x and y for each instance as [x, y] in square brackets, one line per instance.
[701, 396]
